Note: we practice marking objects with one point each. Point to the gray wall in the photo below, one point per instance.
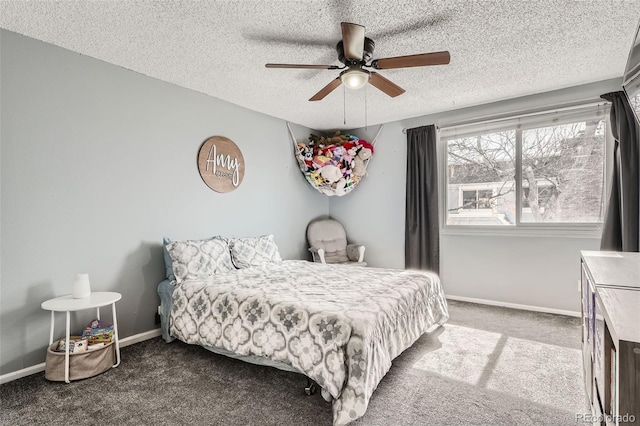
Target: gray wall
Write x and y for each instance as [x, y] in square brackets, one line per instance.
[538, 270]
[98, 163]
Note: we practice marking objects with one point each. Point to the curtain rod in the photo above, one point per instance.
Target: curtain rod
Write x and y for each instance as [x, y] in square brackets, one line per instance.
[520, 113]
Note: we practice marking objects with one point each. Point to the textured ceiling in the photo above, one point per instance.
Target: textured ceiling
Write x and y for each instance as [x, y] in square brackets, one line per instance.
[499, 49]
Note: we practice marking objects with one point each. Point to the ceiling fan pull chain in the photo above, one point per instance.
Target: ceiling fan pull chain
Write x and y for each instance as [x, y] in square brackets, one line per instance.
[344, 105]
[366, 127]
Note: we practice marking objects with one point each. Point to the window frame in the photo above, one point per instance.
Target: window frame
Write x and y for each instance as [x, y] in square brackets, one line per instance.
[523, 121]
[477, 198]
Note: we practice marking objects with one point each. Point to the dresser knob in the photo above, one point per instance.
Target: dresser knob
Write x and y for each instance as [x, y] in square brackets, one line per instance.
[636, 351]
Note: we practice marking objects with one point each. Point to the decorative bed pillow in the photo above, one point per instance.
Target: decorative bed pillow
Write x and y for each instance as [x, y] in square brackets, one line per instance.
[256, 251]
[168, 263]
[199, 259]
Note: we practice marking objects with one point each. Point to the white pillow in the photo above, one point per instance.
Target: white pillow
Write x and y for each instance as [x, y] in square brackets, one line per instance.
[197, 259]
[255, 251]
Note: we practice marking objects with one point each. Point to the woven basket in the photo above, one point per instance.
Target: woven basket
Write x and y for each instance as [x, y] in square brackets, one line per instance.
[81, 365]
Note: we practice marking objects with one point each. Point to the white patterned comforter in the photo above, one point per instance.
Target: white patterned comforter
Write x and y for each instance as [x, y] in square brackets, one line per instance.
[339, 325]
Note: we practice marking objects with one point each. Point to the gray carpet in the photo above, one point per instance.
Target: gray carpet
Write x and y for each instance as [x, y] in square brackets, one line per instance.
[486, 366]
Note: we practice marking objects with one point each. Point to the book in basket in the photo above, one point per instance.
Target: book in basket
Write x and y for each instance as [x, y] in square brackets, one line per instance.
[98, 332]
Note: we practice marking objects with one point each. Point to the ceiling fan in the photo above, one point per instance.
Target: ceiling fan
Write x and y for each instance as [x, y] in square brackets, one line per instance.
[355, 51]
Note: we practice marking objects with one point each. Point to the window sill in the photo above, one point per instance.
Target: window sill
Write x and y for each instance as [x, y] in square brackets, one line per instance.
[536, 231]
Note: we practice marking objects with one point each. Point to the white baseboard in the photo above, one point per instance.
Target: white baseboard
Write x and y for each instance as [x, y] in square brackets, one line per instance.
[14, 375]
[516, 306]
[136, 338]
[140, 337]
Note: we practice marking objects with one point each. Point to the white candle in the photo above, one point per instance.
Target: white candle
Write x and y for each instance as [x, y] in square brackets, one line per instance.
[81, 286]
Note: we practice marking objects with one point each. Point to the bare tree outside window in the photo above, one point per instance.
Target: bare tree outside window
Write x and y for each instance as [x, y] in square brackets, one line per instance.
[567, 161]
[482, 163]
[561, 175]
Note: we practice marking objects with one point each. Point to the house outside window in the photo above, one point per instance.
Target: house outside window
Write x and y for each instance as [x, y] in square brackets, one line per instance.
[477, 199]
[544, 169]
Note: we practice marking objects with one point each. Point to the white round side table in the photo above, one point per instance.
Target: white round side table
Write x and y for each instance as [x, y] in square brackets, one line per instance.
[68, 304]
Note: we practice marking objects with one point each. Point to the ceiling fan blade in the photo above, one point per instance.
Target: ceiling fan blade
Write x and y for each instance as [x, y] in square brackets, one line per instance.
[312, 67]
[353, 41]
[326, 90]
[388, 87]
[420, 60]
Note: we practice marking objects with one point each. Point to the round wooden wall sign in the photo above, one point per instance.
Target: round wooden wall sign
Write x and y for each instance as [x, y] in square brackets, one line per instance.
[221, 164]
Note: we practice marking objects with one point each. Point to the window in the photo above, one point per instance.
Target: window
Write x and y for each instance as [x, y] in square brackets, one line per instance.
[544, 168]
[477, 199]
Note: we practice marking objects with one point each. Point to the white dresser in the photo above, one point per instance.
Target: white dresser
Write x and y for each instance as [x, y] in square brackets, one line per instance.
[611, 335]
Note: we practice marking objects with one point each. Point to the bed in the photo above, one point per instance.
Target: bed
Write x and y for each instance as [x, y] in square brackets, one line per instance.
[339, 325]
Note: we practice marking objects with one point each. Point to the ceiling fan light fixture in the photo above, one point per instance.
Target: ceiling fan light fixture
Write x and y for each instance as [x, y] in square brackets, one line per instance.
[355, 78]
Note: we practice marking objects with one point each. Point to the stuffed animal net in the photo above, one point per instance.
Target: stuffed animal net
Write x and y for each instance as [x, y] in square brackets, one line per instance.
[334, 165]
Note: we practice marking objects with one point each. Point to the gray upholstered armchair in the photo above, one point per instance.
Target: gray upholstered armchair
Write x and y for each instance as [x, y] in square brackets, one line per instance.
[328, 244]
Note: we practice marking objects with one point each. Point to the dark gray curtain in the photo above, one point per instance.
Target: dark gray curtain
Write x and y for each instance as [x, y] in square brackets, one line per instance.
[620, 230]
[422, 237]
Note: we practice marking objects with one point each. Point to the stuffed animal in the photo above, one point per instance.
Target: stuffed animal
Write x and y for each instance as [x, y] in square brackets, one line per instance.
[351, 137]
[320, 161]
[359, 168]
[307, 152]
[315, 178]
[322, 143]
[365, 153]
[338, 153]
[330, 173]
[306, 155]
[366, 144]
[337, 138]
[351, 153]
[313, 139]
[327, 151]
[339, 187]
